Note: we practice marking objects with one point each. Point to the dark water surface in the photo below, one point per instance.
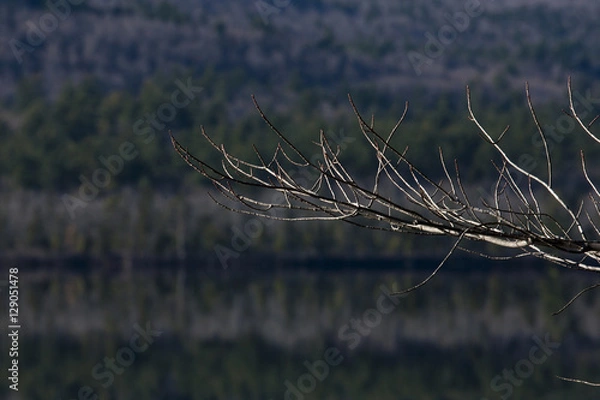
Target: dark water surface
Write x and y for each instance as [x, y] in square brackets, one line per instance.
[301, 333]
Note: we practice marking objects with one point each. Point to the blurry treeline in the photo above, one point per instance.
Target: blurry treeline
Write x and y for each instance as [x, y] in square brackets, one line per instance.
[86, 166]
[58, 145]
[63, 194]
[331, 44]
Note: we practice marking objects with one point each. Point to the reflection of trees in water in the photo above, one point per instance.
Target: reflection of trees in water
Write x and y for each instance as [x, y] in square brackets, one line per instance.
[291, 308]
[243, 336]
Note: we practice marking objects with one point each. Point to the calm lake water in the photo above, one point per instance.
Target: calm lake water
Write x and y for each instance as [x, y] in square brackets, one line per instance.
[479, 332]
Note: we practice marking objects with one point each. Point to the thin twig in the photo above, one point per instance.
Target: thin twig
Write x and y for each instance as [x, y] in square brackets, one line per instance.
[587, 289]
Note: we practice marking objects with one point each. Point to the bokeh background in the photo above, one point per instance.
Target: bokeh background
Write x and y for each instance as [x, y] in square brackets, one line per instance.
[112, 233]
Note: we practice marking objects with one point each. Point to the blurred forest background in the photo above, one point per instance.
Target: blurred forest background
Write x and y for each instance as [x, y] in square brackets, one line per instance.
[88, 92]
[74, 95]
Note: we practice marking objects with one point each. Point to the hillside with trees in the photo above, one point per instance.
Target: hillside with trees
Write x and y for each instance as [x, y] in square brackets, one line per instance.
[81, 83]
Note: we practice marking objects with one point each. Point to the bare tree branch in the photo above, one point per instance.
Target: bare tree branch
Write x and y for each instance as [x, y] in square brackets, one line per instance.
[403, 199]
